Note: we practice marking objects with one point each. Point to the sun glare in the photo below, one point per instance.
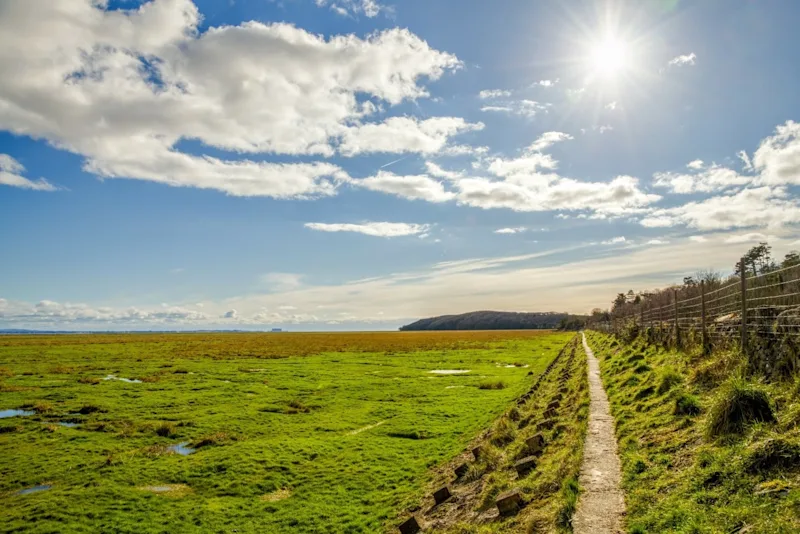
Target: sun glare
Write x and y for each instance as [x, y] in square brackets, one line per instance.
[609, 57]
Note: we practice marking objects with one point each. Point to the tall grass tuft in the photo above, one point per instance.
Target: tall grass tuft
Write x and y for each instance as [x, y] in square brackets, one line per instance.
[570, 490]
[669, 379]
[498, 384]
[738, 404]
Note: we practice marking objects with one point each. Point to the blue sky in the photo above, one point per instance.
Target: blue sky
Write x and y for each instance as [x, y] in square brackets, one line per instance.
[356, 164]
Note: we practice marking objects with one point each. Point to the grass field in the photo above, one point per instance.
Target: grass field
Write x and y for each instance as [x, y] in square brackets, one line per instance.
[696, 456]
[290, 432]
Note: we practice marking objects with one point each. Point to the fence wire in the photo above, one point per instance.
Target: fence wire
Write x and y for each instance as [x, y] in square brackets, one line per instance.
[760, 310]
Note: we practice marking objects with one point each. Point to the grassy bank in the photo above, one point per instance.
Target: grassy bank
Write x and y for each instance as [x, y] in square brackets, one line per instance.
[555, 409]
[705, 447]
[285, 439]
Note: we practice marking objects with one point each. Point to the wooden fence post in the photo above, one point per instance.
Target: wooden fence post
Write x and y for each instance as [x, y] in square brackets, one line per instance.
[706, 346]
[677, 326]
[743, 341]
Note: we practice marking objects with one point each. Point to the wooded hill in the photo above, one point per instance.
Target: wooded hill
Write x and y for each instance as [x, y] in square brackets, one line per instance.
[492, 320]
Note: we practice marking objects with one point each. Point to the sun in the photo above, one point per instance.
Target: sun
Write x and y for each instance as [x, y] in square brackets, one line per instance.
[609, 57]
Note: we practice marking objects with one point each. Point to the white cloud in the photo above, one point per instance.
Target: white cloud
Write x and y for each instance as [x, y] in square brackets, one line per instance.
[696, 164]
[614, 241]
[282, 281]
[547, 140]
[752, 237]
[751, 207]
[404, 134]
[493, 93]
[546, 83]
[658, 242]
[705, 179]
[509, 283]
[611, 106]
[11, 174]
[439, 172]
[123, 88]
[516, 230]
[605, 128]
[697, 238]
[747, 165]
[778, 157]
[369, 8]
[376, 229]
[524, 108]
[464, 150]
[680, 61]
[553, 193]
[415, 187]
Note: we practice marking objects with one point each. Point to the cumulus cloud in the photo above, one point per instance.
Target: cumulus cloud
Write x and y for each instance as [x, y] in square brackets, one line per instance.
[683, 60]
[777, 159]
[123, 88]
[436, 170]
[752, 207]
[614, 241]
[376, 229]
[11, 174]
[404, 134]
[701, 178]
[230, 314]
[415, 187]
[546, 83]
[658, 242]
[696, 164]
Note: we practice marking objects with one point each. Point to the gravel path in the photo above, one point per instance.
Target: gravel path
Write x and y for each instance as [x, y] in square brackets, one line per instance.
[601, 506]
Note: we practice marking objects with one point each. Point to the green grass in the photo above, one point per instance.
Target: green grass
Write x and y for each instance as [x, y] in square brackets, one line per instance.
[338, 440]
[551, 490]
[704, 448]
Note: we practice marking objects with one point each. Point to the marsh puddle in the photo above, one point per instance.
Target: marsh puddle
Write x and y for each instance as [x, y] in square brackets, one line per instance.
[128, 380]
[171, 490]
[449, 371]
[34, 489]
[181, 448]
[15, 413]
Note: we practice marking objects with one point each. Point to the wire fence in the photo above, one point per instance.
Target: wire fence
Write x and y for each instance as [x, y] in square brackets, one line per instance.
[760, 313]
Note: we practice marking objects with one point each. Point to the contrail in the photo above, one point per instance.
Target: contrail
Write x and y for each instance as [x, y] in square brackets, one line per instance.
[395, 161]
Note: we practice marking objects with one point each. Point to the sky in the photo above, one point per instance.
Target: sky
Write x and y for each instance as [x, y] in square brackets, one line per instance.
[359, 164]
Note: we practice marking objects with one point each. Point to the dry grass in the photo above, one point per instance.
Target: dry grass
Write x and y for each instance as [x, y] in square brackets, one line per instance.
[280, 345]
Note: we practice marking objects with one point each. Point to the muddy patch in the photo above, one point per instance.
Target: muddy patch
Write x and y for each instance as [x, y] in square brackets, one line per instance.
[277, 495]
[35, 489]
[15, 413]
[449, 371]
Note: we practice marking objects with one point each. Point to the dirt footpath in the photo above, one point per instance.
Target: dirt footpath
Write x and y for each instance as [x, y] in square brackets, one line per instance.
[601, 507]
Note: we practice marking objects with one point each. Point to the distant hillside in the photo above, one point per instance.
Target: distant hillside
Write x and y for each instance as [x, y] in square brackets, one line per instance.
[492, 320]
